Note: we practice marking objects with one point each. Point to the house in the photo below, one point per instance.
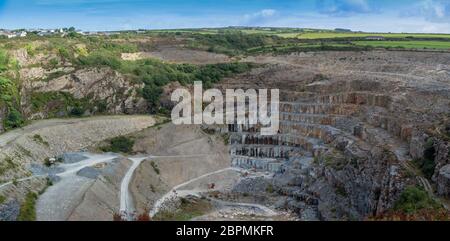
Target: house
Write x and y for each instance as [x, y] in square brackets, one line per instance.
[21, 34]
[375, 38]
[7, 34]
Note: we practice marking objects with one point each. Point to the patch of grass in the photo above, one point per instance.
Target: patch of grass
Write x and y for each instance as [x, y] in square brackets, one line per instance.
[2, 199]
[24, 151]
[38, 138]
[6, 165]
[119, 144]
[28, 208]
[188, 210]
[4, 60]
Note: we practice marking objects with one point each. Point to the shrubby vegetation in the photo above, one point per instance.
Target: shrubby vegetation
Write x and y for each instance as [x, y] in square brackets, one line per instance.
[119, 144]
[155, 74]
[58, 104]
[4, 60]
[234, 42]
[6, 165]
[414, 204]
[28, 209]
[14, 119]
[413, 199]
[427, 163]
[9, 96]
[100, 58]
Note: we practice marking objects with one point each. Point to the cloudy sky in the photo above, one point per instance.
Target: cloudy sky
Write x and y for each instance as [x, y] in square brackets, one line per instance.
[432, 16]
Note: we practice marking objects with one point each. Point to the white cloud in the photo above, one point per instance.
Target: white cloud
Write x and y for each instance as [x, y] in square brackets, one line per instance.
[260, 18]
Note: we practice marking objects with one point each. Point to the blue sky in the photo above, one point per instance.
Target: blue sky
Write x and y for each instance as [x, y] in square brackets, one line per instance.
[432, 16]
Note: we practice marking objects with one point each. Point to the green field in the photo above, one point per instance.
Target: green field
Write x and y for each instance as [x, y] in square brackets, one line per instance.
[406, 44]
[304, 33]
[325, 35]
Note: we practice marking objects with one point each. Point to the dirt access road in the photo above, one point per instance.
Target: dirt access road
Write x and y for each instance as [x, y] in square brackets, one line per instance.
[10, 136]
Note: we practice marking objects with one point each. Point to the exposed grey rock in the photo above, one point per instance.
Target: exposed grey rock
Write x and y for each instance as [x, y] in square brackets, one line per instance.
[89, 172]
[443, 181]
[442, 157]
[72, 157]
[38, 169]
[9, 211]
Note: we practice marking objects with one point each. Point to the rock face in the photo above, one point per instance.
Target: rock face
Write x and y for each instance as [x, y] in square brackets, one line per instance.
[443, 181]
[9, 211]
[442, 158]
[96, 85]
[350, 126]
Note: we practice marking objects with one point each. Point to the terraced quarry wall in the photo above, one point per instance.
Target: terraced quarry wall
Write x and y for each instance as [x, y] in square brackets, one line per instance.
[351, 125]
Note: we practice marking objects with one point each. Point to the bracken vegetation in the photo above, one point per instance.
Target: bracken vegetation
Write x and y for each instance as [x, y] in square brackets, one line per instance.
[415, 204]
[28, 209]
[119, 144]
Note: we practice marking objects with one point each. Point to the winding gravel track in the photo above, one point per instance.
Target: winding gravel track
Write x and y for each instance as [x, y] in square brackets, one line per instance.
[126, 200]
[127, 209]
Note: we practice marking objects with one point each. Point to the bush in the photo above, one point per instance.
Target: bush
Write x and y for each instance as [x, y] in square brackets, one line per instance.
[31, 50]
[77, 111]
[155, 167]
[414, 199]
[14, 119]
[120, 144]
[6, 89]
[64, 53]
[47, 162]
[152, 94]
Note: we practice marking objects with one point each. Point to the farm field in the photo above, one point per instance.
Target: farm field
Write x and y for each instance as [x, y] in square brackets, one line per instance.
[323, 35]
[406, 44]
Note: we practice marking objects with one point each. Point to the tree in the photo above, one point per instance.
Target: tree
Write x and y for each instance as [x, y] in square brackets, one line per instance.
[14, 119]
